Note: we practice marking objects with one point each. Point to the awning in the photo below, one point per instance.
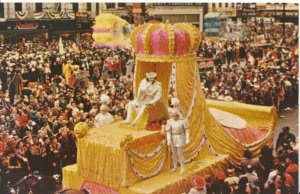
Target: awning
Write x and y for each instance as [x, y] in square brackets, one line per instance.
[23, 31]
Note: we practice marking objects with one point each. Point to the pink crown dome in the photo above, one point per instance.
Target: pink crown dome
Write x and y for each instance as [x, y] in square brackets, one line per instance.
[165, 41]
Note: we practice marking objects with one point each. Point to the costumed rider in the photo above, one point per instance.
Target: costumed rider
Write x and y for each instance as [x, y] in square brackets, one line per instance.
[104, 117]
[178, 135]
[149, 93]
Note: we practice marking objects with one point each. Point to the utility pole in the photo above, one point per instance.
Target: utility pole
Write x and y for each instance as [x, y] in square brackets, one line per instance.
[255, 9]
[283, 27]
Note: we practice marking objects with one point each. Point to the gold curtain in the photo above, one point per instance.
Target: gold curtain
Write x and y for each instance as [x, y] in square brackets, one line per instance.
[185, 83]
[220, 141]
[185, 73]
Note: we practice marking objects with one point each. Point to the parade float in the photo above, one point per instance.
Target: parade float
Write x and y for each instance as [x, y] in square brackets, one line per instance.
[110, 31]
[132, 159]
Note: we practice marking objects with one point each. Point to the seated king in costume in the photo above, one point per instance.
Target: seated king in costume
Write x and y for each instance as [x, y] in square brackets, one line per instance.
[149, 93]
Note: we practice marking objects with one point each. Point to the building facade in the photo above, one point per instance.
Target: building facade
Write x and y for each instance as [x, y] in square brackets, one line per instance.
[192, 13]
[28, 20]
[280, 12]
[228, 8]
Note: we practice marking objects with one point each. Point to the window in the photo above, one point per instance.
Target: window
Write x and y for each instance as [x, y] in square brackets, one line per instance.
[18, 6]
[213, 5]
[75, 7]
[220, 4]
[232, 5]
[110, 5]
[38, 7]
[1, 10]
[121, 4]
[226, 4]
[88, 7]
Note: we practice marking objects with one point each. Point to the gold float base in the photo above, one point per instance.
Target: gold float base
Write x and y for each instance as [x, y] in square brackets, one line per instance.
[163, 183]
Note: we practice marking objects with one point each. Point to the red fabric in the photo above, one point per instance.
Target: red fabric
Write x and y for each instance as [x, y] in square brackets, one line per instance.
[97, 188]
[247, 135]
[249, 75]
[109, 66]
[289, 179]
[198, 182]
[292, 168]
[71, 80]
[23, 120]
[117, 67]
[220, 175]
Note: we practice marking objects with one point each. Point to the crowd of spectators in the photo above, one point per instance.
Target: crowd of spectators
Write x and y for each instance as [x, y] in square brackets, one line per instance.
[45, 93]
[261, 68]
[270, 172]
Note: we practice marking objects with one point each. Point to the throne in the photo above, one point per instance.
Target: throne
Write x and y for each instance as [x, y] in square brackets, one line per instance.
[151, 119]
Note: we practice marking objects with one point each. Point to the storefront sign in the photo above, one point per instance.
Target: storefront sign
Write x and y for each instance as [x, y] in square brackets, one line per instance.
[27, 26]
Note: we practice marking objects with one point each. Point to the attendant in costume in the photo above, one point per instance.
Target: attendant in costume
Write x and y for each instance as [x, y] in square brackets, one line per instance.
[174, 106]
[178, 135]
[104, 117]
[149, 93]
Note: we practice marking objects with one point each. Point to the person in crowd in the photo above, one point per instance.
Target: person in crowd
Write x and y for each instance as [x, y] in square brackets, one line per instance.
[219, 186]
[16, 166]
[232, 180]
[104, 117]
[254, 162]
[285, 137]
[198, 185]
[251, 176]
[242, 186]
[130, 67]
[68, 71]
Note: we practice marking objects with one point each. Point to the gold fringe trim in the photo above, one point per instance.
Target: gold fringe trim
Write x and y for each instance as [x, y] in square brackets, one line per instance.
[133, 37]
[151, 58]
[171, 34]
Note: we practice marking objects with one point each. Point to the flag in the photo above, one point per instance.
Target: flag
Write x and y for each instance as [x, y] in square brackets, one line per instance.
[61, 46]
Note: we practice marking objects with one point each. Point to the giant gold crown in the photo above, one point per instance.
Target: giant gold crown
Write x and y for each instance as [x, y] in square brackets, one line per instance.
[165, 42]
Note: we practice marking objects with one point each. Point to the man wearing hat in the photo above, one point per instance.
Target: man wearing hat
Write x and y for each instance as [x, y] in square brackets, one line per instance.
[104, 117]
[149, 93]
[285, 137]
[232, 180]
[252, 178]
[198, 185]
